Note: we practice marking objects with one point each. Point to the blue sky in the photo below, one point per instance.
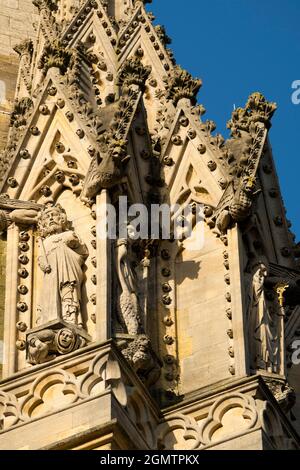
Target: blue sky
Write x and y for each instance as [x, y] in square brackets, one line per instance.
[238, 47]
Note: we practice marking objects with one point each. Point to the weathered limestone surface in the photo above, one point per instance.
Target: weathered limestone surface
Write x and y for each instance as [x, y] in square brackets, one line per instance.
[16, 23]
[2, 295]
[81, 403]
[8, 79]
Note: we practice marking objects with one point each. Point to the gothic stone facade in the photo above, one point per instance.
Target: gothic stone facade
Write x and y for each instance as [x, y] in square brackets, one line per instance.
[136, 344]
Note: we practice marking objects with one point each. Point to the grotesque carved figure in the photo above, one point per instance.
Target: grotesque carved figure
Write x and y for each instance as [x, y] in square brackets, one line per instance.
[61, 258]
[65, 341]
[129, 308]
[105, 171]
[45, 345]
[144, 362]
[238, 206]
[263, 325]
[39, 346]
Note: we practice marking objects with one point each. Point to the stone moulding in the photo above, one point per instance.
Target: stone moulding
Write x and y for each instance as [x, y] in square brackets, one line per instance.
[214, 421]
[9, 409]
[42, 386]
[99, 372]
[187, 425]
[105, 368]
[205, 420]
[97, 388]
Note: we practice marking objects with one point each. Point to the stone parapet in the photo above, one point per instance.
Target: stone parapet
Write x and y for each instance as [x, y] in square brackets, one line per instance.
[92, 399]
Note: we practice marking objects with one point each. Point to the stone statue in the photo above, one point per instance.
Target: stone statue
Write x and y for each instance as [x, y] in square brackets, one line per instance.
[129, 308]
[263, 325]
[61, 258]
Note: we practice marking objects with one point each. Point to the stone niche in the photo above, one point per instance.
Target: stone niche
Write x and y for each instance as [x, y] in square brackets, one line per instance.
[52, 276]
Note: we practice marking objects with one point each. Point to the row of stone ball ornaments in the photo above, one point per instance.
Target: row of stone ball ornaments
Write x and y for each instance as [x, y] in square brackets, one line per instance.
[93, 298]
[215, 142]
[278, 220]
[99, 67]
[97, 70]
[79, 21]
[124, 39]
[34, 130]
[121, 44]
[23, 274]
[168, 321]
[228, 299]
[192, 134]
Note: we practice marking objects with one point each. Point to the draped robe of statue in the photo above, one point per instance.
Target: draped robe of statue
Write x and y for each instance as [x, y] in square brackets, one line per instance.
[263, 324]
[129, 307]
[60, 295]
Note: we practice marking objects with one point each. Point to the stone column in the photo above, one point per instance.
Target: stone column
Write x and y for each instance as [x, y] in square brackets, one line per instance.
[10, 319]
[103, 291]
[237, 305]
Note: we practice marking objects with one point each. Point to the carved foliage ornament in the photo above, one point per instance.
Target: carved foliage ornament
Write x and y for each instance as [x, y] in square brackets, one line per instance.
[180, 84]
[143, 360]
[24, 48]
[283, 393]
[48, 4]
[21, 111]
[257, 109]
[134, 72]
[55, 55]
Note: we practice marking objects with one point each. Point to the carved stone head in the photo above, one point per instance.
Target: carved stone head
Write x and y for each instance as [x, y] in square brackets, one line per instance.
[65, 341]
[249, 184]
[52, 219]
